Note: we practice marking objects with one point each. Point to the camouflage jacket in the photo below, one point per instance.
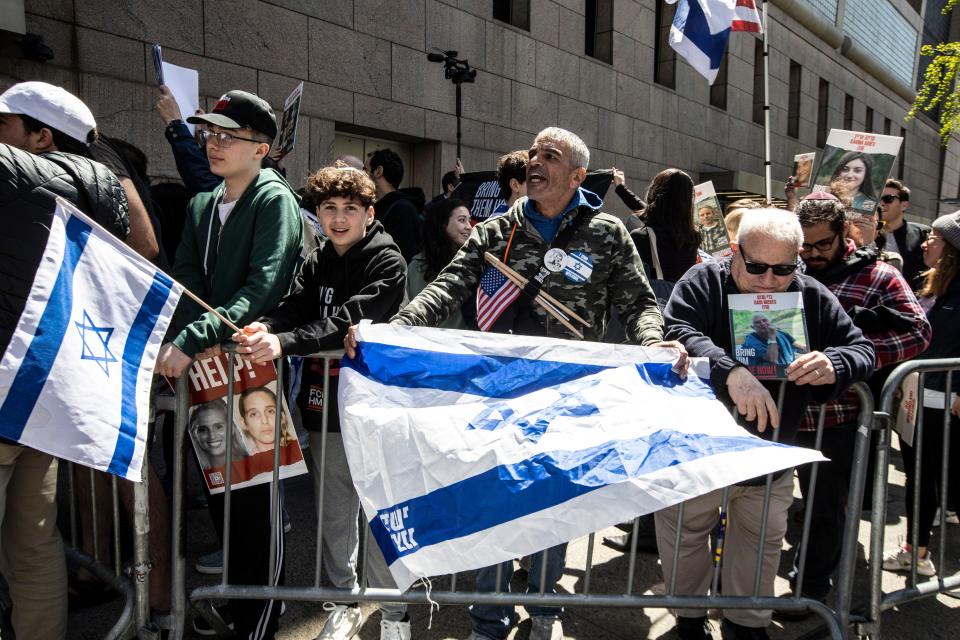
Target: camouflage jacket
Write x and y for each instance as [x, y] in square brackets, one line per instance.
[601, 242]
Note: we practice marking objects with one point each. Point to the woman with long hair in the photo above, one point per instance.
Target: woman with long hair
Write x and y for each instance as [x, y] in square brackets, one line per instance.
[669, 214]
[853, 178]
[446, 226]
[939, 297]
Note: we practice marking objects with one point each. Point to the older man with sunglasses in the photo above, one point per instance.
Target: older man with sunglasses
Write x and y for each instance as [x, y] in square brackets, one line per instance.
[698, 316]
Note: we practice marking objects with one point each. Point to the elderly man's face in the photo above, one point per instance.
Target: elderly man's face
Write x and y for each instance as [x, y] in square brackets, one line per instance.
[550, 174]
[759, 250]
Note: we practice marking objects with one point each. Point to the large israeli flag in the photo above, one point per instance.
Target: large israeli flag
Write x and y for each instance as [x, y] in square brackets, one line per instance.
[469, 449]
[75, 378]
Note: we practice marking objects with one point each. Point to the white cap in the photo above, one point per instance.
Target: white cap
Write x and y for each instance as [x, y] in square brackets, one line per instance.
[53, 106]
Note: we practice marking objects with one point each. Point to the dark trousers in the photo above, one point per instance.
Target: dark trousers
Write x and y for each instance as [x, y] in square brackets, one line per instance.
[930, 472]
[250, 557]
[829, 512]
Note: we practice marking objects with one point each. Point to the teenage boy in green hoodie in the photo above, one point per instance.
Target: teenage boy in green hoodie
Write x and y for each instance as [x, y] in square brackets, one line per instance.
[357, 273]
[238, 253]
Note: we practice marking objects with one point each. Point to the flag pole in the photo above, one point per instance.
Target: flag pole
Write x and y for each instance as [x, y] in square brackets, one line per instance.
[766, 107]
[216, 313]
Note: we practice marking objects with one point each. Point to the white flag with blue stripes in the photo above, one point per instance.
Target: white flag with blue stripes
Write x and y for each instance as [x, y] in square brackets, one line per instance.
[75, 378]
[468, 449]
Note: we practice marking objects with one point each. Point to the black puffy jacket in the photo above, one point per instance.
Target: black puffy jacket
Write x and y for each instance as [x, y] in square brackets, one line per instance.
[28, 186]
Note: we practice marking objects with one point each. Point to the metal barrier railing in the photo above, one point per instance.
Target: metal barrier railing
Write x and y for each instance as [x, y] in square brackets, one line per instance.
[879, 601]
[836, 620]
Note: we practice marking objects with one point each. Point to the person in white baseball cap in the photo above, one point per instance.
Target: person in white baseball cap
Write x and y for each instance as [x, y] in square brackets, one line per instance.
[38, 117]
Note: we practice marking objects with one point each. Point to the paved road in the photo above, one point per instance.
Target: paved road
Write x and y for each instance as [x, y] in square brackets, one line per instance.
[931, 618]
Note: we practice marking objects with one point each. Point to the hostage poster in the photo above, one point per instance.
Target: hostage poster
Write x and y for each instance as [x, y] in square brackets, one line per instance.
[252, 429]
[854, 166]
[708, 220]
[768, 332]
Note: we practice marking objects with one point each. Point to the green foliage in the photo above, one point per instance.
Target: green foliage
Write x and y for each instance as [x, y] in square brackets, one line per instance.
[939, 84]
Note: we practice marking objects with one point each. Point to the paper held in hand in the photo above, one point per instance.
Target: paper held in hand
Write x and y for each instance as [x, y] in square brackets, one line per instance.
[708, 220]
[184, 84]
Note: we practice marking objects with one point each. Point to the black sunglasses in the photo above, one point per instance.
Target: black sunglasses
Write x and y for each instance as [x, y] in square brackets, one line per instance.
[887, 199]
[759, 268]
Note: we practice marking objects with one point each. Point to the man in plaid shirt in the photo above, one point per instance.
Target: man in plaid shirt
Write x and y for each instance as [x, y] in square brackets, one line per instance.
[883, 306]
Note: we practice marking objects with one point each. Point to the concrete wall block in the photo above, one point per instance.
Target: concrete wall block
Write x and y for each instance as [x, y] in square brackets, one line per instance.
[693, 118]
[533, 109]
[503, 140]
[387, 116]
[615, 132]
[572, 31]
[175, 23]
[633, 96]
[545, 21]
[602, 159]
[500, 51]
[598, 84]
[318, 100]
[579, 117]
[57, 9]
[573, 5]
[322, 134]
[443, 127]
[449, 28]
[526, 62]
[419, 82]
[664, 107]
[488, 99]
[717, 128]
[557, 70]
[349, 60]
[336, 11]
[643, 70]
[58, 35]
[636, 174]
[628, 20]
[648, 141]
[216, 77]
[109, 55]
[257, 35]
[401, 21]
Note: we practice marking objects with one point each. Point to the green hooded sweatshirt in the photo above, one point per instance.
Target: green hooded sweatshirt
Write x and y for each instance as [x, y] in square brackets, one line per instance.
[242, 268]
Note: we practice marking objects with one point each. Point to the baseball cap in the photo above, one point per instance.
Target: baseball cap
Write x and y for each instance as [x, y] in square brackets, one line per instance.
[54, 106]
[239, 109]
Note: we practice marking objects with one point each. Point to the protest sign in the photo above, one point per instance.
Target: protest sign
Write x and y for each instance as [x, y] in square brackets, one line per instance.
[768, 331]
[855, 166]
[184, 84]
[287, 137]
[708, 220]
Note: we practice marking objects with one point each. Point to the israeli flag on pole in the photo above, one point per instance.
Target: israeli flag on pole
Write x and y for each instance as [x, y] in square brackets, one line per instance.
[75, 378]
[468, 449]
[700, 32]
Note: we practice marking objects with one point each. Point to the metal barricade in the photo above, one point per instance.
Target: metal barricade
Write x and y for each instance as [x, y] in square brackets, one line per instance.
[880, 601]
[836, 620]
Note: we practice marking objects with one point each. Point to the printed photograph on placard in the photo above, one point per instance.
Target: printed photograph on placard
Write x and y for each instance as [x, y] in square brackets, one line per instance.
[803, 169]
[768, 331]
[708, 220]
[855, 166]
[255, 406]
[287, 137]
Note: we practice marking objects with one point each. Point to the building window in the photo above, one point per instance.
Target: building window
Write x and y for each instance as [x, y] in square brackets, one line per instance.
[718, 90]
[887, 125]
[599, 30]
[515, 12]
[823, 112]
[758, 82]
[848, 112]
[868, 121]
[793, 106]
[664, 57]
[901, 163]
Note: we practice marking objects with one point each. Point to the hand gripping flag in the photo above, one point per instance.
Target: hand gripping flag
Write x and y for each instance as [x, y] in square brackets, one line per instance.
[469, 449]
[701, 29]
[75, 378]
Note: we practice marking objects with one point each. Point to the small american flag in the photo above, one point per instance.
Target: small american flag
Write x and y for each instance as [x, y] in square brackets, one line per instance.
[494, 295]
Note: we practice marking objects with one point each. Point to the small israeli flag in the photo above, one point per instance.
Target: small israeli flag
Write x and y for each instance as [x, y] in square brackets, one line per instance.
[468, 449]
[75, 378]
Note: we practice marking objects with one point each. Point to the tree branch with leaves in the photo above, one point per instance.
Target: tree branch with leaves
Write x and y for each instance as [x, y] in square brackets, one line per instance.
[939, 87]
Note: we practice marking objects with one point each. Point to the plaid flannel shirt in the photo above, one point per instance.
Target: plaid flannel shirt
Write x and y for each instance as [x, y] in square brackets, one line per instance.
[876, 284]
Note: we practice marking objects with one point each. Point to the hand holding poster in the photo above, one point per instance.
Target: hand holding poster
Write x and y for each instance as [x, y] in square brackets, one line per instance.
[803, 169]
[253, 426]
[769, 332]
[184, 84]
[708, 220]
[855, 166]
[288, 126]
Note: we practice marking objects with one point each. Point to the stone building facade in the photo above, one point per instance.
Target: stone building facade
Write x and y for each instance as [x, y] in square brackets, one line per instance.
[368, 81]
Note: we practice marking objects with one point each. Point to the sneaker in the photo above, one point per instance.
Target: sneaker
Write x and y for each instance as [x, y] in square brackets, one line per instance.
[395, 630]
[900, 560]
[342, 624]
[733, 631]
[210, 563]
[546, 628]
[203, 628]
[693, 628]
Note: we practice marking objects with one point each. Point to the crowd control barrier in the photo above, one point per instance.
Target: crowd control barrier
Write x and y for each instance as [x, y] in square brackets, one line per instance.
[836, 621]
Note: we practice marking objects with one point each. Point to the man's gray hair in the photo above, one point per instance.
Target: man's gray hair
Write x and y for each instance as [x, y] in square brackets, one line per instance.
[773, 224]
[579, 154]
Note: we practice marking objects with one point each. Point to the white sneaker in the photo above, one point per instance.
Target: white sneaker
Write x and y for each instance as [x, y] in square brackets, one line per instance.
[342, 624]
[899, 560]
[545, 628]
[395, 630]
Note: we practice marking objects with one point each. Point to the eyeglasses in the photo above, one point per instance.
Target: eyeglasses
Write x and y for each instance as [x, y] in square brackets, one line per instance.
[823, 245]
[887, 199]
[759, 268]
[223, 139]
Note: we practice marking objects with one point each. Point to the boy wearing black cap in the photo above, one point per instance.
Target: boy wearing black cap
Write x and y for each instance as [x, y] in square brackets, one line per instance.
[239, 253]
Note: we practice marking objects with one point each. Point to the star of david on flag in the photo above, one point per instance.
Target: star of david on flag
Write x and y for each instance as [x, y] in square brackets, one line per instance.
[494, 294]
[75, 377]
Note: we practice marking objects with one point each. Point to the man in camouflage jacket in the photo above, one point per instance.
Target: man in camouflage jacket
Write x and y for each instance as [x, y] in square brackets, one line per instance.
[601, 268]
